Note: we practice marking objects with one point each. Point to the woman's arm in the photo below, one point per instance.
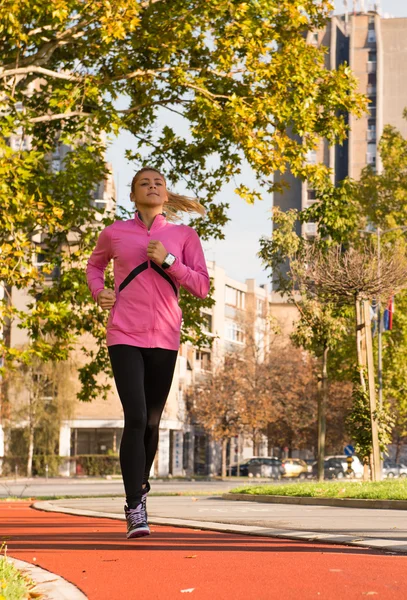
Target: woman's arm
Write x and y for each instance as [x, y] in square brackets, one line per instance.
[98, 261]
[192, 274]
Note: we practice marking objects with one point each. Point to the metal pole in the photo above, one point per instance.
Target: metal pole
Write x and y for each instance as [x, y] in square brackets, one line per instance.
[376, 471]
[379, 327]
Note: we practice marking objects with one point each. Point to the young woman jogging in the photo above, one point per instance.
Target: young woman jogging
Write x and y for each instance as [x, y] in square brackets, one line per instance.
[152, 258]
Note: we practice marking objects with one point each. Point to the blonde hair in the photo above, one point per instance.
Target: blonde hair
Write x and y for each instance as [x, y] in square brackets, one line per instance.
[176, 202]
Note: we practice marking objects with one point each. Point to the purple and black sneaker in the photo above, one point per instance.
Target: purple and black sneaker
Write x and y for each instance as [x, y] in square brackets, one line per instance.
[136, 522]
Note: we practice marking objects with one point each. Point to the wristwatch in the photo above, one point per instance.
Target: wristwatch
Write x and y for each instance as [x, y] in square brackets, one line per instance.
[168, 261]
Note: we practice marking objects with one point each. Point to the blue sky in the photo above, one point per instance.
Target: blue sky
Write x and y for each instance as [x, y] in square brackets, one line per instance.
[237, 253]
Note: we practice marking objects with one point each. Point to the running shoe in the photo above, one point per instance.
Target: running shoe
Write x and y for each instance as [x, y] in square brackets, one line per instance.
[136, 522]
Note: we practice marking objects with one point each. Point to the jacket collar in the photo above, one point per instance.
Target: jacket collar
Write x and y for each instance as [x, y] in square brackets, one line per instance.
[159, 221]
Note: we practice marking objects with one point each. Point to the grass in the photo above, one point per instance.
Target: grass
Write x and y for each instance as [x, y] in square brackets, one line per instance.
[377, 490]
[14, 585]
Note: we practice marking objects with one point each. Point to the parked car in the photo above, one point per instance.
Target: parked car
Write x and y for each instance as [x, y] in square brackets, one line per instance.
[255, 463]
[266, 467]
[310, 462]
[333, 469]
[392, 469]
[295, 467]
[243, 469]
[356, 464]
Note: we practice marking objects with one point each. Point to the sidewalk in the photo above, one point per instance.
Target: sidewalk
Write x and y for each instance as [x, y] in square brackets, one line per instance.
[93, 554]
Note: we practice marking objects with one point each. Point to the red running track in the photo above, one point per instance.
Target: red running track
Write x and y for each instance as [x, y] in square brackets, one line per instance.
[94, 554]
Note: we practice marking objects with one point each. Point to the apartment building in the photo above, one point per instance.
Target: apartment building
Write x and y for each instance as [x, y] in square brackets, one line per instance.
[376, 50]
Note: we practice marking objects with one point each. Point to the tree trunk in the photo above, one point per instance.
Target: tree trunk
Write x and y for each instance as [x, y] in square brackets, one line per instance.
[30, 451]
[398, 448]
[238, 456]
[224, 448]
[322, 401]
[31, 421]
[375, 458]
[360, 343]
[231, 442]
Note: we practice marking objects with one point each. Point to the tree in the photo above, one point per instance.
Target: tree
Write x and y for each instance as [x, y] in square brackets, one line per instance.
[291, 418]
[237, 74]
[215, 403]
[42, 398]
[321, 325]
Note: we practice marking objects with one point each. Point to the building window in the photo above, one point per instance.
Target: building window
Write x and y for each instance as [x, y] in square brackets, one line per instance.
[260, 306]
[371, 22]
[372, 61]
[311, 157]
[371, 154]
[207, 324]
[371, 36]
[234, 332]
[203, 360]
[314, 38]
[311, 198]
[372, 107]
[259, 339]
[371, 130]
[95, 441]
[371, 84]
[234, 297]
[230, 295]
[56, 165]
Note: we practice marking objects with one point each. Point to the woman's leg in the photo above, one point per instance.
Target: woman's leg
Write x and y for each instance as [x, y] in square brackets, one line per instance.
[128, 370]
[159, 365]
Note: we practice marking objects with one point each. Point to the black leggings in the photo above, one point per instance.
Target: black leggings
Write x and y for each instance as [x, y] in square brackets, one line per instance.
[143, 379]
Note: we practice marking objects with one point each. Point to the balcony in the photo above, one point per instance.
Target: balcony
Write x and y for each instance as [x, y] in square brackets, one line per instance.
[99, 203]
[310, 229]
[372, 67]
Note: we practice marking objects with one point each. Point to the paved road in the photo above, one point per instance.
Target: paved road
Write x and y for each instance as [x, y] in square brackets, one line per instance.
[173, 563]
[26, 488]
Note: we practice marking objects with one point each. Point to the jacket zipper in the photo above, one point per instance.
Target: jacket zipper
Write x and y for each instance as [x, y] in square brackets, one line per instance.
[152, 295]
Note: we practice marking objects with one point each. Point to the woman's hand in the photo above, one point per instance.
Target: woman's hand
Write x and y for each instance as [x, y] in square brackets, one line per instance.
[106, 299]
[156, 252]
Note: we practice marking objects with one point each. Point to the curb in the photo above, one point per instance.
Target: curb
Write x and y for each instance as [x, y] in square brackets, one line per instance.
[52, 586]
[342, 502]
[306, 536]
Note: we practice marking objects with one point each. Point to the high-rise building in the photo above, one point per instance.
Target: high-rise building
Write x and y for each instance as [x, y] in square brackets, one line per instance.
[376, 50]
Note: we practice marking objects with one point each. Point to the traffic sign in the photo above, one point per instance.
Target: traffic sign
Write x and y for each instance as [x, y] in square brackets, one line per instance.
[349, 450]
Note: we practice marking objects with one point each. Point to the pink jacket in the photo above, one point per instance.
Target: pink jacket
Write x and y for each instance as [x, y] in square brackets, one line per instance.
[146, 312]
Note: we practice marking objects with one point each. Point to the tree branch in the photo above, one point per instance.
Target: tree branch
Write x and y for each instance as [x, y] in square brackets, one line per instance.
[41, 71]
[55, 117]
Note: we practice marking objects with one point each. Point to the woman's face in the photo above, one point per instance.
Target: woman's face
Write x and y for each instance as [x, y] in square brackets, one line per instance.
[149, 190]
